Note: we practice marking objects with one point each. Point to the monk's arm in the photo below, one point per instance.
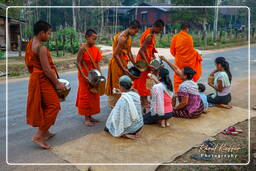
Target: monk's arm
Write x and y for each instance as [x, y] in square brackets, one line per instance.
[131, 57]
[172, 46]
[79, 62]
[117, 51]
[183, 103]
[173, 66]
[47, 68]
[143, 49]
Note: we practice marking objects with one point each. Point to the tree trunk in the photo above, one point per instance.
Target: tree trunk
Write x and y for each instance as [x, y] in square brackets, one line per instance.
[216, 17]
[205, 33]
[116, 19]
[71, 45]
[56, 47]
[19, 46]
[102, 19]
[64, 42]
[74, 14]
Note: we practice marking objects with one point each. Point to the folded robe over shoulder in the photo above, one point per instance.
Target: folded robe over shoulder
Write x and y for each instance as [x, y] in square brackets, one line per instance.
[43, 103]
[185, 55]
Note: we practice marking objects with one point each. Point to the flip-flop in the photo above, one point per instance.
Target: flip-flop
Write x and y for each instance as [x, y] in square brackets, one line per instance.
[233, 129]
[209, 143]
[227, 132]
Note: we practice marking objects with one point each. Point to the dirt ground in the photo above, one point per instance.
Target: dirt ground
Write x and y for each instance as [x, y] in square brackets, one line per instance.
[239, 98]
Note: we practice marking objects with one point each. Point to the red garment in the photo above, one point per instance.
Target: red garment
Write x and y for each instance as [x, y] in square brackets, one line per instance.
[43, 103]
[88, 103]
[140, 84]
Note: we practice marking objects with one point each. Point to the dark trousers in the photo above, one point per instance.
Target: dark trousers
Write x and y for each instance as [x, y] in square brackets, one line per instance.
[149, 119]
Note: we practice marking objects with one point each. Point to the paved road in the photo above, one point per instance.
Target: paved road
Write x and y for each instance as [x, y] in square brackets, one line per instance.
[69, 125]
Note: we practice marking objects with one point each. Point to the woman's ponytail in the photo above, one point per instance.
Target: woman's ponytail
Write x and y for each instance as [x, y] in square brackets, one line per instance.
[222, 61]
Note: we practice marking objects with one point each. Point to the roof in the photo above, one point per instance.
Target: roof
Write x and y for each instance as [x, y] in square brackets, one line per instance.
[119, 10]
[156, 4]
[2, 6]
[13, 19]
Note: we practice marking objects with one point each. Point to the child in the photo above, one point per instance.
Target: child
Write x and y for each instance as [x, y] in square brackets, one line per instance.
[161, 104]
[222, 83]
[201, 89]
[87, 102]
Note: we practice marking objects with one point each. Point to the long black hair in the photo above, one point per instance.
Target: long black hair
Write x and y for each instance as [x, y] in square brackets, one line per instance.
[164, 78]
[222, 61]
[189, 72]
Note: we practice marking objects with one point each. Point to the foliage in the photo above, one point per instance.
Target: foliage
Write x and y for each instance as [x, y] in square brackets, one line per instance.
[67, 40]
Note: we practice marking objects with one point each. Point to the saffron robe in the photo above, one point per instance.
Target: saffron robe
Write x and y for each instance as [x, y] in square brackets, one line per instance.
[114, 71]
[88, 103]
[140, 84]
[43, 103]
[185, 55]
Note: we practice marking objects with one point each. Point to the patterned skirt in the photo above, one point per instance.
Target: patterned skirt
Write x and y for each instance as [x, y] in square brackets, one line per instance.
[183, 113]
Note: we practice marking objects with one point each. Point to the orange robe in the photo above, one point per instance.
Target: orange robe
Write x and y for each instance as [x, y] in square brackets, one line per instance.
[140, 84]
[185, 55]
[88, 103]
[43, 103]
[114, 71]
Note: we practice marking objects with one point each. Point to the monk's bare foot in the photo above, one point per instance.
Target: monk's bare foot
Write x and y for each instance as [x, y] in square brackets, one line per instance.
[41, 142]
[89, 123]
[94, 120]
[254, 107]
[130, 136]
[49, 135]
[225, 106]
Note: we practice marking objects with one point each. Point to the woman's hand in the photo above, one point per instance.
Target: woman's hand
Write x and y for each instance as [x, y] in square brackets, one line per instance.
[163, 58]
[213, 72]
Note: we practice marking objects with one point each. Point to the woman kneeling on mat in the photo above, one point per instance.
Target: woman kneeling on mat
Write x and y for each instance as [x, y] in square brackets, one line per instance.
[161, 103]
[126, 118]
[221, 84]
[190, 104]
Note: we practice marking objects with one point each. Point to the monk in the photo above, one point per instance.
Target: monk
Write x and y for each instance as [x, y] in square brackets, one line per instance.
[185, 55]
[43, 103]
[122, 44]
[87, 102]
[147, 53]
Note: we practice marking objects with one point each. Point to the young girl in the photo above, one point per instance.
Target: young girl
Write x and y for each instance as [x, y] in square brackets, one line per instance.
[161, 104]
[222, 83]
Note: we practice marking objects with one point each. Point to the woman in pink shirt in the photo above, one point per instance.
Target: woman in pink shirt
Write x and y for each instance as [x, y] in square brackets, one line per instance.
[161, 103]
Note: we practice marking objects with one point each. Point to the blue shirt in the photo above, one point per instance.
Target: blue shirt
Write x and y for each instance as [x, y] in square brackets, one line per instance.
[204, 99]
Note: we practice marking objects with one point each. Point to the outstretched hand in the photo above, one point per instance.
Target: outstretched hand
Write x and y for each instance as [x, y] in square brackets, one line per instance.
[163, 58]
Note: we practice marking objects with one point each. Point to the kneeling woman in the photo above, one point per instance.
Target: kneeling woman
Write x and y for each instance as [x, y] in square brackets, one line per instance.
[161, 103]
[126, 118]
[190, 104]
[221, 84]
